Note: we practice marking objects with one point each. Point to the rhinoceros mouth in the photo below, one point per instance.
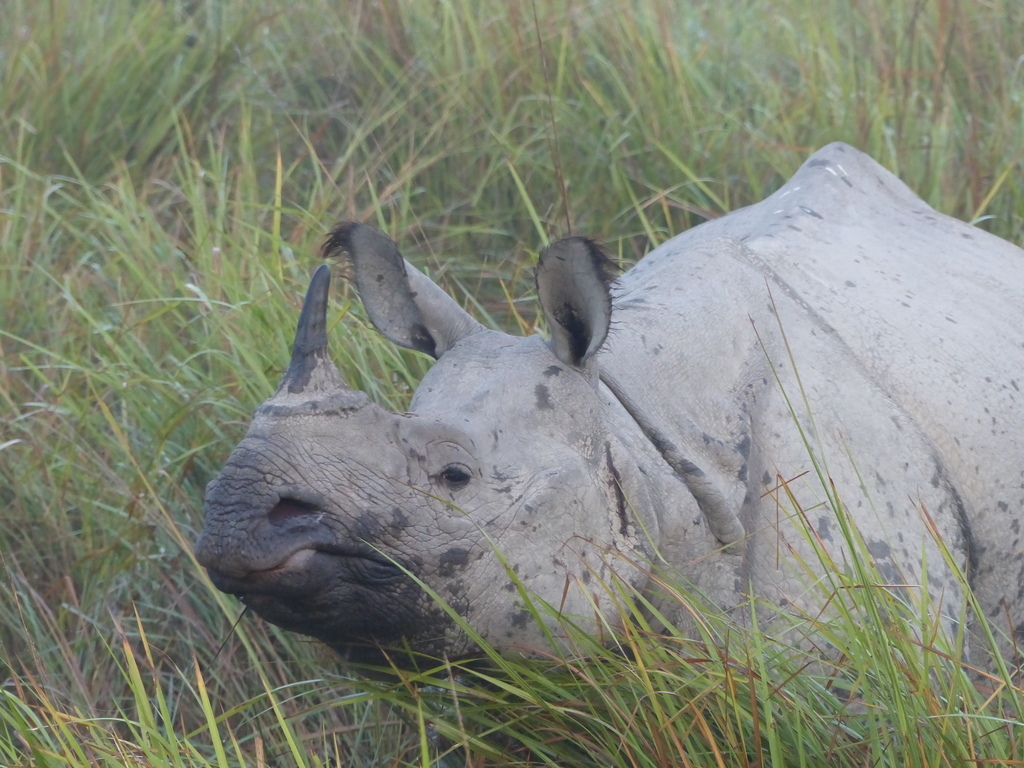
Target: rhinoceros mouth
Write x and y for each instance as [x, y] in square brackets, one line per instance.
[354, 602]
[309, 572]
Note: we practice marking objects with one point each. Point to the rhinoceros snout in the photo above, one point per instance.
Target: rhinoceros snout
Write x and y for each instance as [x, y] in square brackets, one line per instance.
[239, 542]
[289, 546]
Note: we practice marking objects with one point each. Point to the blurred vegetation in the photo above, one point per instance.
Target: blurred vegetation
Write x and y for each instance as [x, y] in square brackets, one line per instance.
[167, 170]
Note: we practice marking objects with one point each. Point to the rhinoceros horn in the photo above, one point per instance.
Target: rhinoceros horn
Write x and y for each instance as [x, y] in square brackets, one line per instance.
[310, 366]
[312, 382]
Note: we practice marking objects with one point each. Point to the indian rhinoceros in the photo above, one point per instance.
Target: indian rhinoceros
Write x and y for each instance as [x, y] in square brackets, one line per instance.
[667, 427]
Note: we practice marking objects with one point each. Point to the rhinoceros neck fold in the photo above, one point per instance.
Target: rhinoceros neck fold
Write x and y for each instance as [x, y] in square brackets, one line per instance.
[722, 518]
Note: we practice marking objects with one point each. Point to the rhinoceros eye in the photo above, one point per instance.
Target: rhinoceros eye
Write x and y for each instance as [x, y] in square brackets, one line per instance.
[455, 476]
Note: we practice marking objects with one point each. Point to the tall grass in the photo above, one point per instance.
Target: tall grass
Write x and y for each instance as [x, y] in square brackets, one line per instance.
[166, 171]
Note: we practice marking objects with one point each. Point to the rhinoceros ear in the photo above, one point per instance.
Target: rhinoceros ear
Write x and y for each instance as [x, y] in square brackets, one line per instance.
[401, 301]
[573, 280]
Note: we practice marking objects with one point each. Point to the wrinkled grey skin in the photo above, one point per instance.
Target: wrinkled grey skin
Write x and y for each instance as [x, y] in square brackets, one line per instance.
[658, 446]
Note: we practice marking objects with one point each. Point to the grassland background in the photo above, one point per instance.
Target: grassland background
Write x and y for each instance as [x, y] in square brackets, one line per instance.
[167, 170]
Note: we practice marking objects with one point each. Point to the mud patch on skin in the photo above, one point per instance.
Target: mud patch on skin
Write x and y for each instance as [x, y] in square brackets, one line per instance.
[543, 395]
[399, 523]
[879, 550]
[519, 618]
[451, 561]
[825, 528]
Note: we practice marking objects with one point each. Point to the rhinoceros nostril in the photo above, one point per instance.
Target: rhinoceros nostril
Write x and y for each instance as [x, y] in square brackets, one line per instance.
[287, 510]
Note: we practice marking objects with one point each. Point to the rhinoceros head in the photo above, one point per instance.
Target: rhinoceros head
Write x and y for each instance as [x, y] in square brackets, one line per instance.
[333, 514]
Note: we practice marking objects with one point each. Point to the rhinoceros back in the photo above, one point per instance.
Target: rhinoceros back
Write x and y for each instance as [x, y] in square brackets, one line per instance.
[872, 288]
